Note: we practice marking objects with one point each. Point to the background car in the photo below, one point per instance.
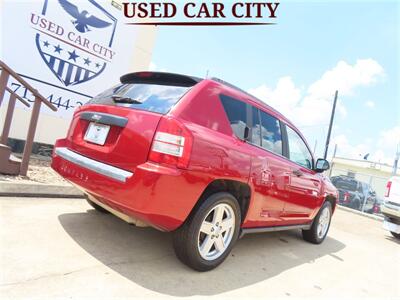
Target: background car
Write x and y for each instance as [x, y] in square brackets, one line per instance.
[391, 207]
[353, 194]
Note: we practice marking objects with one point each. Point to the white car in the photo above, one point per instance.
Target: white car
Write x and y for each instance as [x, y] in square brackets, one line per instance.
[391, 207]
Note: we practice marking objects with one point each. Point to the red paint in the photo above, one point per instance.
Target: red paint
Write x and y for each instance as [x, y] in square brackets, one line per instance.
[163, 191]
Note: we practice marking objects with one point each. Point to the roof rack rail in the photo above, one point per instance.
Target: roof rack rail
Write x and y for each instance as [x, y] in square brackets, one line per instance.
[161, 78]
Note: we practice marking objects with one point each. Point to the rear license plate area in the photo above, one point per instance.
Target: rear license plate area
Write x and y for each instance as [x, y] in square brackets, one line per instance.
[97, 133]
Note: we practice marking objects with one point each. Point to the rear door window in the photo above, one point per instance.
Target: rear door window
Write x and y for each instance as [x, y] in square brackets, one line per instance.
[236, 112]
[271, 138]
[150, 97]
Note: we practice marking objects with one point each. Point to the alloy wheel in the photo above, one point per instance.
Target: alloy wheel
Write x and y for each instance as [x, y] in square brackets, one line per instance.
[323, 222]
[216, 231]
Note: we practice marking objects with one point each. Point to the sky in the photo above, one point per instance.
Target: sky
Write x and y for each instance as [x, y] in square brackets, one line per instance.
[296, 65]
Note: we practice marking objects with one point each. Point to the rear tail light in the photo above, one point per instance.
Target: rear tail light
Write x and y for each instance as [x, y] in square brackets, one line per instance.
[172, 143]
[388, 186]
[346, 197]
[376, 208]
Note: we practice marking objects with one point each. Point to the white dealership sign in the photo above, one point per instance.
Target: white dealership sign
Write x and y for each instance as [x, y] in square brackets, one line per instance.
[69, 50]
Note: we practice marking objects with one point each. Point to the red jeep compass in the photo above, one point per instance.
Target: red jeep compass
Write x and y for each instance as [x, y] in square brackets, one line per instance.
[198, 157]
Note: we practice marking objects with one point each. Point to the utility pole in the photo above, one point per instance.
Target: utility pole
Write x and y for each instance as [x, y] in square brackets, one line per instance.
[328, 138]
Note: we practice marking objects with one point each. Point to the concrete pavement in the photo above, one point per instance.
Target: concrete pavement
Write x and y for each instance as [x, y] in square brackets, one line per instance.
[61, 248]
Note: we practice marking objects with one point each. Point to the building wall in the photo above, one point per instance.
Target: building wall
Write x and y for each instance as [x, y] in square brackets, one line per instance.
[133, 47]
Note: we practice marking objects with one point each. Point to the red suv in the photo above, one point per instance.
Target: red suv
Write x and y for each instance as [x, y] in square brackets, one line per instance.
[198, 157]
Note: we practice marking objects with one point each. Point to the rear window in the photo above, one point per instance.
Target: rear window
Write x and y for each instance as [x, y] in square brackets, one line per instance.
[150, 97]
[236, 113]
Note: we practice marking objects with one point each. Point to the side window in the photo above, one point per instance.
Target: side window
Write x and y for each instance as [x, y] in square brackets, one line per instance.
[256, 127]
[298, 151]
[236, 112]
[271, 138]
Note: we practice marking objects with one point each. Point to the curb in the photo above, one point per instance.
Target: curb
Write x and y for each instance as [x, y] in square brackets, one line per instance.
[374, 217]
[38, 190]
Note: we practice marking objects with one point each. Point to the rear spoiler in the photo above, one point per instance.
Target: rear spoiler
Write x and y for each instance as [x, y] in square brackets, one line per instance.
[161, 78]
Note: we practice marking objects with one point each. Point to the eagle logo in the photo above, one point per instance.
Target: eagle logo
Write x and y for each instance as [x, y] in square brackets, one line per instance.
[83, 20]
[74, 63]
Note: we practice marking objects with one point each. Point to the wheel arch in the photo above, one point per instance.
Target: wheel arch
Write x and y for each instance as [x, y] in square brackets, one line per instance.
[332, 200]
[240, 190]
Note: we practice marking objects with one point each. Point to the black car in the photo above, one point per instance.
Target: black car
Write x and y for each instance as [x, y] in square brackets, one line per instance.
[355, 194]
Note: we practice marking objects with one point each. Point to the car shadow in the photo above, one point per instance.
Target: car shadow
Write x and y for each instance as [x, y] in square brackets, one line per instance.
[393, 239]
[145, 255]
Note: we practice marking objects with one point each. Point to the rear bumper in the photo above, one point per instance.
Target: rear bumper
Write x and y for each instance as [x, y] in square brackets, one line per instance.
[389, 225]
[159, 196]
[93, 165]
[390, 211]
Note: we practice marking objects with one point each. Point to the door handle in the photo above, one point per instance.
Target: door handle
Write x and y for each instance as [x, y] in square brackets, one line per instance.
[297, 173]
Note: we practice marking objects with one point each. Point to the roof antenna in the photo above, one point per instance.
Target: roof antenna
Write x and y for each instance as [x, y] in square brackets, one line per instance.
[207, 74]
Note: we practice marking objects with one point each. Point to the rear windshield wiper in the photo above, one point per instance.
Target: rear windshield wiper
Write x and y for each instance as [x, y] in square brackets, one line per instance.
[123, 99]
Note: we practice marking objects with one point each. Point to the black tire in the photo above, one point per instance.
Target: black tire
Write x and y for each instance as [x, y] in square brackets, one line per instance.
[97, 207]
[311, 235]
[396, 235]
[186, 238]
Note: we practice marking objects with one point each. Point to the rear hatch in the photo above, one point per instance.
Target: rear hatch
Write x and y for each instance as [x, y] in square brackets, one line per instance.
[117, 126]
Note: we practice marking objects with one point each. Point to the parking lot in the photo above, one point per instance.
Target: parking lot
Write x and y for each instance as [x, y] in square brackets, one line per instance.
[62, 248]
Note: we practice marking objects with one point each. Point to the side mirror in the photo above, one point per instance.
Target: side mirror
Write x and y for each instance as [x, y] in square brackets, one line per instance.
[321, 165]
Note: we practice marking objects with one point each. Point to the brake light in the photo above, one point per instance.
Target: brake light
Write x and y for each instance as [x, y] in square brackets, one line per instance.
[172, 143]
[388, 186]
[346, 197]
